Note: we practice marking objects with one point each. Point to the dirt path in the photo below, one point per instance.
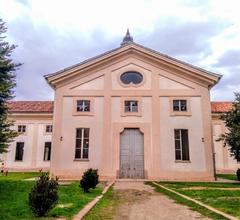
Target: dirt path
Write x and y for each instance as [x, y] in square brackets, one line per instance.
[141, 202]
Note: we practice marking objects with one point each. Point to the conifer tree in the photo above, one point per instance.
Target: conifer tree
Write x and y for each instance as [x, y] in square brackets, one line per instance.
[231, 137]
[7, 83]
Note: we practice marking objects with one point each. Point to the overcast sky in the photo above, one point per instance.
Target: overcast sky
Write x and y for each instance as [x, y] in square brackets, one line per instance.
[54, 34]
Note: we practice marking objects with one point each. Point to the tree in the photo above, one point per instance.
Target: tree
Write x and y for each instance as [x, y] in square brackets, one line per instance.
[44, 195]
[89, 180]
[231, 137]
[7, 83]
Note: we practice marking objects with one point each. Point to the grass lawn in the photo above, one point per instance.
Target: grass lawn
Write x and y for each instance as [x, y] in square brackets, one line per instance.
[104, 210]
[72, 199]
[222, 196]
[18, 175]
[14, 198]
[227, 176]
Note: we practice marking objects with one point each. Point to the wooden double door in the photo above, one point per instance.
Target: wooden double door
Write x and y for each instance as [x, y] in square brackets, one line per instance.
[131, 154]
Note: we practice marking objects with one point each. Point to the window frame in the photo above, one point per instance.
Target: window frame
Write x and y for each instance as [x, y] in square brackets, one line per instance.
[130, 106]
[132, 72]
[49, 152]
[180, 105]
[180, 113]
[48, 132]
[17, 153]
[180, 149]
[131, 113]
[82, 139]
[85, 104]
[129, 69]
[83, 113]
[22, 126]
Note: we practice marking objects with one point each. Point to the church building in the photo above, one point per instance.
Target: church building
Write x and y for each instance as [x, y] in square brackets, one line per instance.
[131, 113]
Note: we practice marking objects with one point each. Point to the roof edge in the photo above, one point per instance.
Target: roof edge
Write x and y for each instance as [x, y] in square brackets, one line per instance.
[109, 53]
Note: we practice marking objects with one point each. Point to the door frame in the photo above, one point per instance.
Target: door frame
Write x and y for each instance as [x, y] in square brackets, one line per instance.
[120, 160]
[147, 146]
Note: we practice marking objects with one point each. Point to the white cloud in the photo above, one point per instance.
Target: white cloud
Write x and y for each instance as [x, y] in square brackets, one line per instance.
[83, 28]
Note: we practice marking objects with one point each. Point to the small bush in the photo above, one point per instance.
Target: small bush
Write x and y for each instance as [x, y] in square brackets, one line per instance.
[238, 174]
[89, 179]
[43, 195]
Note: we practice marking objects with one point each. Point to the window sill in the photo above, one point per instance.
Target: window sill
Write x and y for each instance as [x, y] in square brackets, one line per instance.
[83, 160]
[131, 114]
[83, 114]
[22, 133]
[47, 133]
[183, 161]
[181, 114]
[18, 160]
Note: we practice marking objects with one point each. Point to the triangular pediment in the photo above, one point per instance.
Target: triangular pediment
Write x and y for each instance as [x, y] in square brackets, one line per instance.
[165, 61]
[93, 84]
[167, 83]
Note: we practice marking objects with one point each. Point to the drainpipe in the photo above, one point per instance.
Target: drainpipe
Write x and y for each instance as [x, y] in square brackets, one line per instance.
[212, 144]
[213, 154]
[214, 166]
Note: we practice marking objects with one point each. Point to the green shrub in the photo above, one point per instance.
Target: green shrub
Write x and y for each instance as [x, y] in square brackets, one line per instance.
[43, 195]
[238, 174]
[89, 179]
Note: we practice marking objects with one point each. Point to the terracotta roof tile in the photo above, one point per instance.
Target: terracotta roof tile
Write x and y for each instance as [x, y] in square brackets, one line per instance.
[30, 106]
[220, 107]
[47, 106]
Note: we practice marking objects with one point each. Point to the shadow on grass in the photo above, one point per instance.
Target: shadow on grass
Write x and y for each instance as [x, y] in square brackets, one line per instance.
[193, 206]
[14, 200]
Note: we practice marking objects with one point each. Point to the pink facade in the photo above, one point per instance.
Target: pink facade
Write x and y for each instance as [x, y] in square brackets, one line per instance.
[130, 113]
[167, 154]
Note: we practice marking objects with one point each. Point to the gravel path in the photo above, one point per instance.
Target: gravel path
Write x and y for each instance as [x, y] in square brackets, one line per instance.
[141, 202]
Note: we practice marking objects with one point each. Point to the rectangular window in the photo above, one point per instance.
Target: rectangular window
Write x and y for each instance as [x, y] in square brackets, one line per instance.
[131, 106]
[21, 128]
[47, 151]
[180, 105]
[83, 105]
[19, 151]
[48, 128]
[181, 144]
[82, 143]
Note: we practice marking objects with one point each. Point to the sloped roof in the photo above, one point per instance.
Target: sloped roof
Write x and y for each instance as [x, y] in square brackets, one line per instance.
[129, 46]
[47, 107]
[221, 107]
[30, 106]
[138, 45]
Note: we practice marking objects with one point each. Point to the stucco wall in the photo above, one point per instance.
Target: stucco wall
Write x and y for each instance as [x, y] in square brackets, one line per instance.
[225, 163]
[194, 125]
[36, 134]
[101, 84]
[66, 148]
[137, 66]
[34, 140]
[155, 121]
[41, 139]
[63, 162]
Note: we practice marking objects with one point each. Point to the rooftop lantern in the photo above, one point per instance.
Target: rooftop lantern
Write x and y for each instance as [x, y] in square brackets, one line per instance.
[127, 39]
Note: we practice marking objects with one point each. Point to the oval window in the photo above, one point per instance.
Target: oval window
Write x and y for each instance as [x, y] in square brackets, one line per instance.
[131, 77]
